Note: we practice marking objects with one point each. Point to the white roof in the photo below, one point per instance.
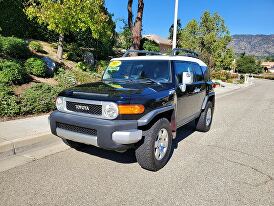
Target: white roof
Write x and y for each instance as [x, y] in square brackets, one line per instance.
[162, 57]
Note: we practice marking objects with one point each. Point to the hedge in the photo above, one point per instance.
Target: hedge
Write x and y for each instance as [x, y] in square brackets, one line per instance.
[12, 72]
[36, 46]
[36, 67]
[14, 47]
[38, 99]
[9, 102]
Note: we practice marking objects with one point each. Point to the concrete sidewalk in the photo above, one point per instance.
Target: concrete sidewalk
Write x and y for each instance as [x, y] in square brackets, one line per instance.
[226, 88]
[24, 134]
[19, 135]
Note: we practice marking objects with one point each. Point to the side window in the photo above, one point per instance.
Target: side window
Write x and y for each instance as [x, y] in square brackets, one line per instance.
[206, 73]
[197, 72]
[179, 68]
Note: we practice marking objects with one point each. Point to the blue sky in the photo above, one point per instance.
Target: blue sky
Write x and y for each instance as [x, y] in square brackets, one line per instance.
[241, 16]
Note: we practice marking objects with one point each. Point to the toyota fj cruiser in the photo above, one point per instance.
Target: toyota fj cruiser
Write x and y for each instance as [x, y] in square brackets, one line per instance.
[139, 103]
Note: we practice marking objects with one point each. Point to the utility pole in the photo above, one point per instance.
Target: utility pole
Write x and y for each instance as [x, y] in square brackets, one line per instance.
[174, 41]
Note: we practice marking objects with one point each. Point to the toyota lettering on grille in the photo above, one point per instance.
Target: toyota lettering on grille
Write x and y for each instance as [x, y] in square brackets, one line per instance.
[80, 107]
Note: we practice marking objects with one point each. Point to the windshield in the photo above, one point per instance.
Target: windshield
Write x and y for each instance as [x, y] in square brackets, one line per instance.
[153, 70]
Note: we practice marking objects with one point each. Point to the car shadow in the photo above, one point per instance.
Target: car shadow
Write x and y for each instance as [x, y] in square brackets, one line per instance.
[128, 157]
[123, 157]
[183, 132]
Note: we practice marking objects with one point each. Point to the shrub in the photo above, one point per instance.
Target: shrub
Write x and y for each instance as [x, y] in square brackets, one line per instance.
[84, 67]
[150, 45]
[12, 72]
[36, 46]
[38, 98]
[14, 47]
[74, 53]
[234, 76]
[265, 76]
[5, 90]
[71, 56]
[84, 77]
[9, 106]
[65, 78]
[242, 79]
[36, 67]
[221, 75]
[9, 102]
[68, 78]
[101, 66]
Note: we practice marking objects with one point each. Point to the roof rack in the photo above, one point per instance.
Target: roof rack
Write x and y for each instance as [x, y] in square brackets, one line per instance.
[186, 52]
[146, 53]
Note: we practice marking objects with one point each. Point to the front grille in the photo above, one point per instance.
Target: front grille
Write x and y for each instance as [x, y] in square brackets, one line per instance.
[84, 108]
[73, 128]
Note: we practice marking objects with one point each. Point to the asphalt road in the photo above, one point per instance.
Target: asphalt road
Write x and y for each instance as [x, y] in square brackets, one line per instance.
[233, 164]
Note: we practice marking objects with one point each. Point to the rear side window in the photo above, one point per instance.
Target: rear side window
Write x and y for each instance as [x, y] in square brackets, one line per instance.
[206, 73]
[197, 72]
[179, 68]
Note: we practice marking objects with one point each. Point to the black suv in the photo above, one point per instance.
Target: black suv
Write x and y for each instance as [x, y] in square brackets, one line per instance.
[139, 103]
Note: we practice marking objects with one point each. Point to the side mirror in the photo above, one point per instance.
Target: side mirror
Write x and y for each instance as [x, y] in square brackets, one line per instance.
[187, 78]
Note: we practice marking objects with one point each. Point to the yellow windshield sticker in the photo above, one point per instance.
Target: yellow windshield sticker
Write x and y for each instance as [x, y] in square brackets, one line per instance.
[117, 86]
[115, 63]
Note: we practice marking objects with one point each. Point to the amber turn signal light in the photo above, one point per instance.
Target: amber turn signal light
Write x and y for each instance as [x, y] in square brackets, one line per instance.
[131, 109]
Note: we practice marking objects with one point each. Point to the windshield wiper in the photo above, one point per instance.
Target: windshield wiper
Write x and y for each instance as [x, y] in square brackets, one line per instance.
[116, 79]
[152, 80]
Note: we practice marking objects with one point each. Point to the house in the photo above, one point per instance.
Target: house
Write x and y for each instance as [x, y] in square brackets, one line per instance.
[268, 66]
[164, 44]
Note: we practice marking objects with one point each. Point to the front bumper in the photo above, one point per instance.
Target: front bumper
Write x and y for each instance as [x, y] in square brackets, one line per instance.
[107, 134]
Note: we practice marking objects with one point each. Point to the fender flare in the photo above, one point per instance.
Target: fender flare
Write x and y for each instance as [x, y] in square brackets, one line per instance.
[149, 116]
[210, 94]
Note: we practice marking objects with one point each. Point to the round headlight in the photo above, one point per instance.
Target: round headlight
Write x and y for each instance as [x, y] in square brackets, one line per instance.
[59, 103]
[111, 110]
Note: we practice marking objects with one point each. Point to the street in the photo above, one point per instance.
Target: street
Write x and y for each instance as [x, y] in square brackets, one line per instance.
[232, 164]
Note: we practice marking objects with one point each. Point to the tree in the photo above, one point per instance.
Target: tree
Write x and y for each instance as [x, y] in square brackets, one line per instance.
[124, 39]
[248, 64]
[12, 13]
[210, 37]
[224, 59]
[65, 16]
[270, 58]
[149, 45]
[136, 27]
[171, 28]
[188, 37]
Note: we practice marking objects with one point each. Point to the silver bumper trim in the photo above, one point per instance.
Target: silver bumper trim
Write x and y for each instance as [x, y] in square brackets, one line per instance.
[77, 137]
[127, 137]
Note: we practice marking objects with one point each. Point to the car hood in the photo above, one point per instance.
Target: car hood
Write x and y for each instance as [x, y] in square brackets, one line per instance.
[113, 91]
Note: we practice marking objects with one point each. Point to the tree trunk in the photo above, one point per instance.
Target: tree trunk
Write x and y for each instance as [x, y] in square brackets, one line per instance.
[136, 28]
[60, 47]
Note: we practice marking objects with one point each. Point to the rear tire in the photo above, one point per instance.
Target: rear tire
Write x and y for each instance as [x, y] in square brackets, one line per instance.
[155, 151]
[203, 123]
[72, 144]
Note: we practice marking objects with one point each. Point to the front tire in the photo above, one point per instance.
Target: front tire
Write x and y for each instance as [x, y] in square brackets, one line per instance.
[203, 123]
[155, 151]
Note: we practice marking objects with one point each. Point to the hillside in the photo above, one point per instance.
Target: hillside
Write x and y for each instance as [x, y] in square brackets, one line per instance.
[258, 45]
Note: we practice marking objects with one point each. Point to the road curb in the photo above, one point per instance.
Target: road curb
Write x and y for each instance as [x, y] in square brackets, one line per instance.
[19, 145]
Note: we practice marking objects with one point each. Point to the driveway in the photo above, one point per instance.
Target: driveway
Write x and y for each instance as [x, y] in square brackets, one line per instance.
[233, 164]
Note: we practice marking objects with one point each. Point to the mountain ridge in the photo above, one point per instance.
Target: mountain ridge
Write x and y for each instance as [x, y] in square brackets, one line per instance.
[253, 44]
